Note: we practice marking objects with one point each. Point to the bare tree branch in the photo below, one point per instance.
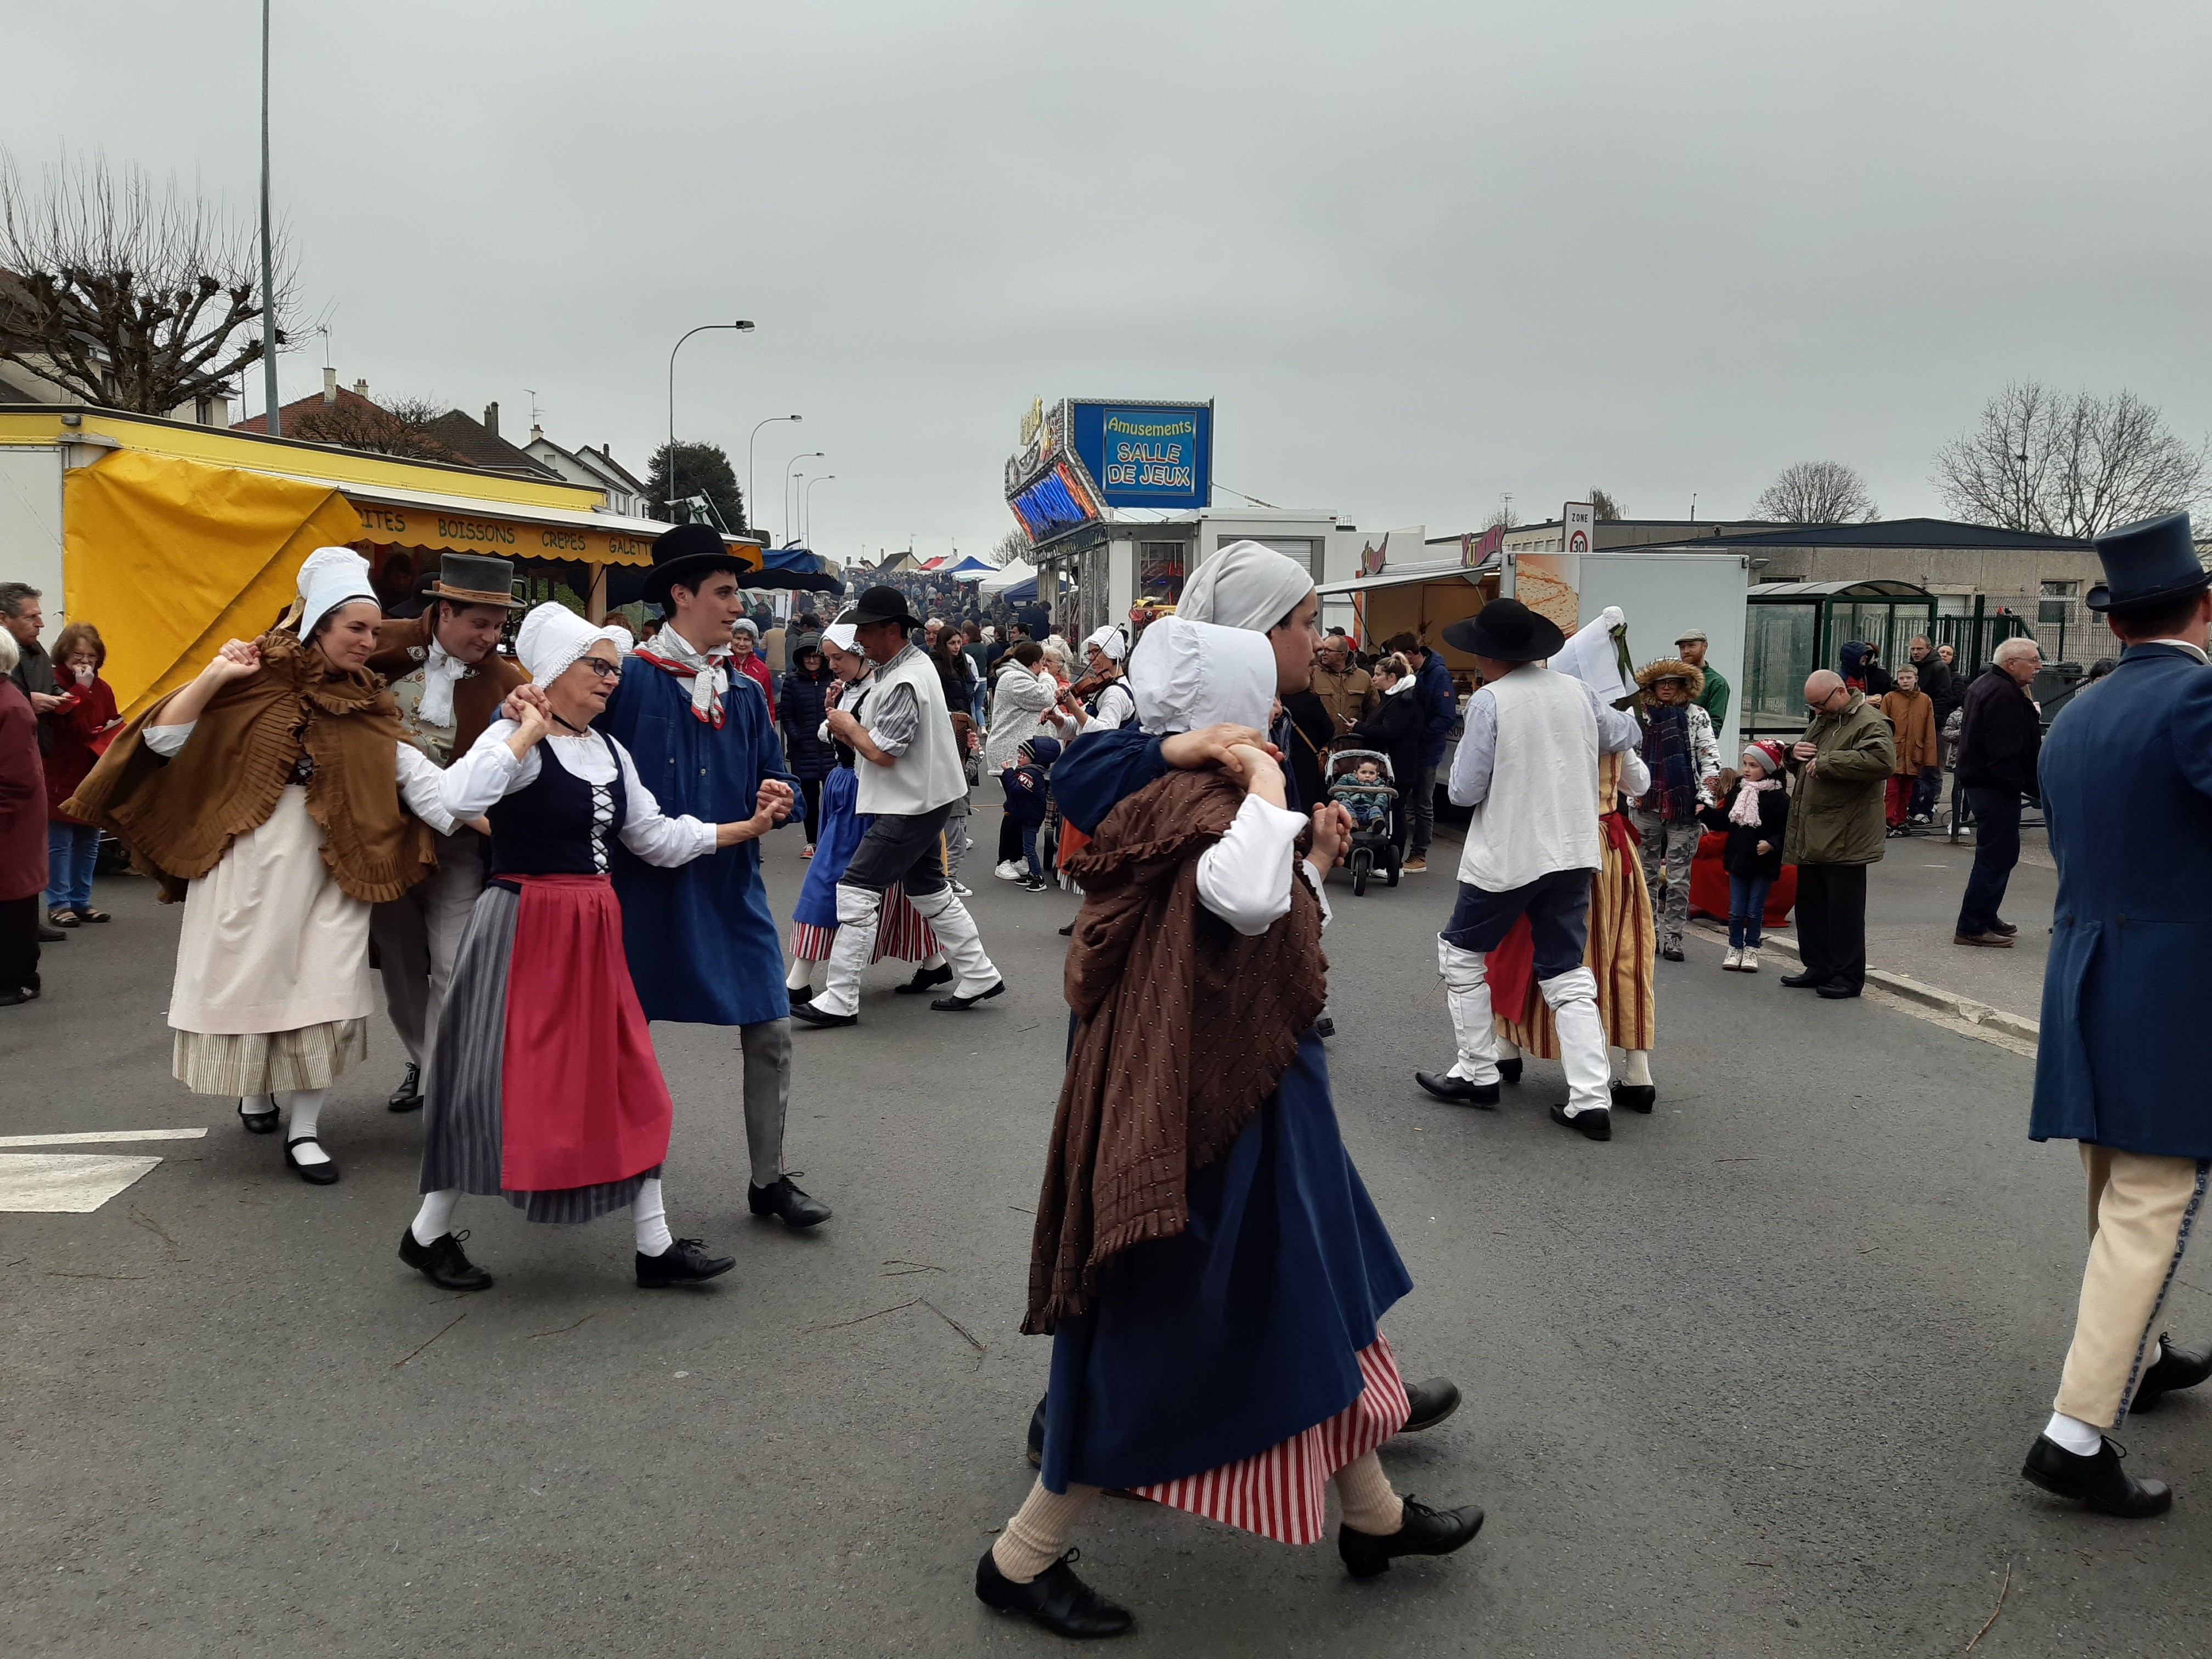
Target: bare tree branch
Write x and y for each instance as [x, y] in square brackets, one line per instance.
[127, 295]
[1817, 492]
[2039, 460]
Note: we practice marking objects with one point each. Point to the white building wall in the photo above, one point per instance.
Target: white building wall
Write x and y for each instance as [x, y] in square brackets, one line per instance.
[30, 525]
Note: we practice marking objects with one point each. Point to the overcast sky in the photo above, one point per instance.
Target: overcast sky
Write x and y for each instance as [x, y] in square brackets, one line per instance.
[1420, 255]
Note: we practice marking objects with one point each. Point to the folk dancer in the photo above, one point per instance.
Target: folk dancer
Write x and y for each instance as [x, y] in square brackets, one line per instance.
[543, 1087]
[444, 670]
[1526, 766]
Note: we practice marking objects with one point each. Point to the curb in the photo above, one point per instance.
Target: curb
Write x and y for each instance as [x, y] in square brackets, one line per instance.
[1904, 985]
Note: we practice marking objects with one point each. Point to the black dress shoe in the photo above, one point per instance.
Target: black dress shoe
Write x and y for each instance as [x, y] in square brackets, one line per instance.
[1423, 1531]
[16, 996]
[804, 994]
[1034, 1450]
[1055, 1598]
[807, 1012]
[262, 1122]
[1837, 990]
[1324, 1027]
[962, 1004]
[2175, 1369]
[1508, 1071]
[1068, 931]
[1595, 1122]
[683, 1262]
[50, 935]
[315, 1174]
[1432, 1401]
[1459, 1090]
[1806, 980]
[2005, 927]
[786, 1203]
[442, 1262]
[2097, 1479]
[926, 979]
[1636, 1096]
[408, 1097]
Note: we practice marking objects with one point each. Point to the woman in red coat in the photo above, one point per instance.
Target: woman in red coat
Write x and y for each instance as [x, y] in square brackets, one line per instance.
[79, 727]
[23, 835]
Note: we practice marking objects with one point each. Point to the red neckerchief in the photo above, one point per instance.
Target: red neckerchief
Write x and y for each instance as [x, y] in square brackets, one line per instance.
[679, 671]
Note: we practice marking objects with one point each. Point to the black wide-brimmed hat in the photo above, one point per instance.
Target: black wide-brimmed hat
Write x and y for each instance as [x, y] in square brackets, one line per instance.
[685, 553]
[1505, 630]
[2148, 561]
[881, 604]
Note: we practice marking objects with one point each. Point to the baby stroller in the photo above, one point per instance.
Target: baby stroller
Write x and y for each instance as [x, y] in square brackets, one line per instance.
[1374, 845]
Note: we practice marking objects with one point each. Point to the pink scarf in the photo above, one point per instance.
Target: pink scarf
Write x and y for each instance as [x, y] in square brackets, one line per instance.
[1745, 810]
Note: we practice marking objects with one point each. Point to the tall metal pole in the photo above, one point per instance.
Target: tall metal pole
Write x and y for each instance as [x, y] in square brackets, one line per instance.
[275, 420]
[752, 501]
[806, 509]
[741, 327]
[811, 455]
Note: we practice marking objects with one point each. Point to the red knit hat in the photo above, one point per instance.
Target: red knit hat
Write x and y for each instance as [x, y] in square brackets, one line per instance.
[1769, 753]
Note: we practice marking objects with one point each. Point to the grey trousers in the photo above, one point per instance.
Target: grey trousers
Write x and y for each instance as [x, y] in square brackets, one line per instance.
[1667, 849]
[1421, 801]
[767, 1047]
[417, 936]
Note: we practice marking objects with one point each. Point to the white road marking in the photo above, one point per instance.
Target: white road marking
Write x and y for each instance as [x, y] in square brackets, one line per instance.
[65, 1183]
[91, 1137]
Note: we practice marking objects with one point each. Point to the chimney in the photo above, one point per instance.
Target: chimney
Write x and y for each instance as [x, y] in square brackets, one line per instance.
[360, 388]
[491, 419]
[536, 433]
[330, 386]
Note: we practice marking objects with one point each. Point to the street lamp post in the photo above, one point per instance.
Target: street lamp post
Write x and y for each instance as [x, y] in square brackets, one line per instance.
[741, 327]
[273, 418]
[811, 455]
[806, 508]
[752, 501]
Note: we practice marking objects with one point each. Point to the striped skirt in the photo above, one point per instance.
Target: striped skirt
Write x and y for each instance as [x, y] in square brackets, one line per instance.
[260, 1062]
[1280, 1493]
[901, 932]
[1623, 946]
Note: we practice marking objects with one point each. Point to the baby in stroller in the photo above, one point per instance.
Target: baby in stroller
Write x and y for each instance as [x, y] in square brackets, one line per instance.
[1360, 779]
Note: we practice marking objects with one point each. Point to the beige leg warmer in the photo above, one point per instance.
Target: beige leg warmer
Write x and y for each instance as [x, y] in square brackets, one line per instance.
[1038, 1533]
[1363, 1492]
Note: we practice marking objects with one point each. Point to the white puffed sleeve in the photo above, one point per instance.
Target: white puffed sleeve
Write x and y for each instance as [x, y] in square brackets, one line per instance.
[167, 740]
[649, 833]
[1634, 775]
[1245, 877]
[487, 774]
[422, 786]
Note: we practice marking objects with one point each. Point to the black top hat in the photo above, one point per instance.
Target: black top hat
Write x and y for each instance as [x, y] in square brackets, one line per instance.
[476, 579]
[685, 553]
[881, 604]
[2147, 562]
[1505, 630]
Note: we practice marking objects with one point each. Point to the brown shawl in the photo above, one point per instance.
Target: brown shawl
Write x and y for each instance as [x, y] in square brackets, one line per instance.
[179, 817]
[1176, 1044]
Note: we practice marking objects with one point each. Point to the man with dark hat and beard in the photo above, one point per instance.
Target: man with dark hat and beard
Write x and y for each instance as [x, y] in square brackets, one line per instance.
[2126, 782]
[1528, 767]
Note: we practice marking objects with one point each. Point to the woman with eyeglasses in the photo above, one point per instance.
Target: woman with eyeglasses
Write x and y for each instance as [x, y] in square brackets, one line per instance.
[544, 1087]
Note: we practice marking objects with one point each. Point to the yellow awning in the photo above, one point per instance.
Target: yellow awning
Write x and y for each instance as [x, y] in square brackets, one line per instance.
[168, 558]
[419, 519]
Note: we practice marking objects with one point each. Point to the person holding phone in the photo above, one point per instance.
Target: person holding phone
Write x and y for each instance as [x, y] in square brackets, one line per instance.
[83, 719]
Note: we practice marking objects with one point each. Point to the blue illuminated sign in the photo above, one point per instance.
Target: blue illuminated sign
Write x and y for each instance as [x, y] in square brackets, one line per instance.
[1159, 455]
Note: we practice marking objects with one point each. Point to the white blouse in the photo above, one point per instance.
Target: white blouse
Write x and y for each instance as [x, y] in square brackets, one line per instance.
[489, 772]
[1245, 877]
[413, 770]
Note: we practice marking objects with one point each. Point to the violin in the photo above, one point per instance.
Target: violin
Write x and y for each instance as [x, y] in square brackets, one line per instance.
[1091, 686]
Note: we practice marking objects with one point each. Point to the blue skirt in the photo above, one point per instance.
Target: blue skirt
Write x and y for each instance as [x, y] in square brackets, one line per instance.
[835, 840]
[1244, 1330]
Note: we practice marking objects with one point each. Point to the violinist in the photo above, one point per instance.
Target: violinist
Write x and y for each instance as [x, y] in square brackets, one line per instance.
[1100, 700]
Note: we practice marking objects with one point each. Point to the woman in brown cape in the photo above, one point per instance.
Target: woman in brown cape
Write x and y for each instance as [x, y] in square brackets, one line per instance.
[267, 794]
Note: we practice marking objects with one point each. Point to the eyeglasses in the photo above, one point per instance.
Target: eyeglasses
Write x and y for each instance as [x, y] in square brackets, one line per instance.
[602, 667]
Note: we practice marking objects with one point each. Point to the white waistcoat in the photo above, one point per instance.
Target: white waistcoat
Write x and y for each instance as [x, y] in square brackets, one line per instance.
[928, 775]
[1540, 813]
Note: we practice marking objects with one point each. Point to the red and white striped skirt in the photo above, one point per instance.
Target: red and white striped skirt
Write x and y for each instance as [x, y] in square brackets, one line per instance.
[900, 932]
[1280, 1493]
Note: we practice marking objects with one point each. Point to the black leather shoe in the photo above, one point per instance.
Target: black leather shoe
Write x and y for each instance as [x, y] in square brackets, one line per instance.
[962, 1004]
[14, 998]
[1055, 1598]
[786, 1203]
[2175, 1369]
[1508, 1071]
[1595, 1122]
[1804, 981]
[262, 1123]
[1432, 1401]
[683, 1262]
[1423, 1531]
[1068, 931]
[1636, 1096]
[1837, 990]
[807, 1012]
[324, 1174]
[1034, 1450]
[2097, 1479]
[1324, 1027]
[804, 994]
[442, 1262]
[926, 979]
[2005, 927]
[408, 1097]
[1459, 1090]
[50, 935]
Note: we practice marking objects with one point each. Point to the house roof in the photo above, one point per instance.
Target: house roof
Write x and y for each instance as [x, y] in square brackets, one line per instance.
[478, 445]
[603, 457]
[299, 408]
[1893, 532]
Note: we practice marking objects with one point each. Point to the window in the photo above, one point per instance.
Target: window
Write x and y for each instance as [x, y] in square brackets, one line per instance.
[2060, 590]
[1159, 572]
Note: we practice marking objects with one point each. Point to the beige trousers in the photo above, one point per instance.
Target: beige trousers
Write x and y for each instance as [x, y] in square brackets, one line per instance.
[2141, 1210]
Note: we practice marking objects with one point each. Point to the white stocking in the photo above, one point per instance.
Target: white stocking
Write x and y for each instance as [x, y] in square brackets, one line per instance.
[650, 1220]
[304, 1106]
[1638, 1073]
[1507, 1048]
[436, 1218]
[796, 976]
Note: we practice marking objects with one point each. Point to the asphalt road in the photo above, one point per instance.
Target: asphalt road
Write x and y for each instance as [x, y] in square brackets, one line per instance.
[1755, 1378]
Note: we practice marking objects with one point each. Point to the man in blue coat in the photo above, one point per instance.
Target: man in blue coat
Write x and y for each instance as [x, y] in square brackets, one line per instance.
[1439, 713]
[702, 946]
[2126, 780]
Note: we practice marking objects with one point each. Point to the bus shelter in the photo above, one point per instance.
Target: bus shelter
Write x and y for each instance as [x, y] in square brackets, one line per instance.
[1790, 628]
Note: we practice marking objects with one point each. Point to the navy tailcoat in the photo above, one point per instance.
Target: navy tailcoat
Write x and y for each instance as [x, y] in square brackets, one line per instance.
[2126, 780]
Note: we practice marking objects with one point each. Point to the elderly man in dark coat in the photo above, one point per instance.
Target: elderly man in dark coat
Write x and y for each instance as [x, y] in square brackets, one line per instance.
[1841, 767]
[2127, 794]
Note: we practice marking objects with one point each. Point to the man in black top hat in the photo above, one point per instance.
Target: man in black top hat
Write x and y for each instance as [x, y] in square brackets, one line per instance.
[1527, 765]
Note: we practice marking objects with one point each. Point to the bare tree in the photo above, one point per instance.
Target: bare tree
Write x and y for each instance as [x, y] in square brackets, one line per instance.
[1817, 492]
[1009, 547]
[2040, 460]
[1503, 517]
[127, 295]
[361, 425]
[1603, 508]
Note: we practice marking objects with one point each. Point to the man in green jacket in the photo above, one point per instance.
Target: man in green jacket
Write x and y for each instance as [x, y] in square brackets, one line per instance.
[1841, 766]
[1713, 696]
